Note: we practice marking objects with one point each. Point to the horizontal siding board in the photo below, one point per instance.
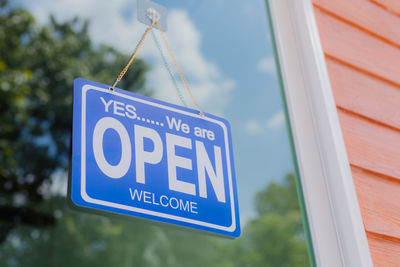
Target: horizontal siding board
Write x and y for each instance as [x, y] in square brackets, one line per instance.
[391, 5]
[379, 199]
[385, 252]
[364, 94]
[365, 14]
[358, 48]
[371, 146]
[362, 43]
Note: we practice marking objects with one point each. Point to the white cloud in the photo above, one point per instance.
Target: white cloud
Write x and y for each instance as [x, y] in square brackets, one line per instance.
[267, 65]
[209, 86]
[254, 127]
[276, 121]
[57, 186]
[108, 25]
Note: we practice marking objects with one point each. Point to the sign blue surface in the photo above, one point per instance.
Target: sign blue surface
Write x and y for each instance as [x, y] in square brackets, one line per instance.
[141, 157]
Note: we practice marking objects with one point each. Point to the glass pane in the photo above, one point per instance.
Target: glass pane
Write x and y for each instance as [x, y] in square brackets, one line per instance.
[225, 51]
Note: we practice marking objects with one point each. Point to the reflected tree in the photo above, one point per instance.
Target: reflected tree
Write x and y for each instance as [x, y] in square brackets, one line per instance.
[276, 236]
[273, 238]
[37, 67]
[91, 240]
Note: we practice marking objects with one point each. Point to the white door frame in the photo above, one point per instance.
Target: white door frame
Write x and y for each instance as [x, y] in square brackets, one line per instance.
[334, 216]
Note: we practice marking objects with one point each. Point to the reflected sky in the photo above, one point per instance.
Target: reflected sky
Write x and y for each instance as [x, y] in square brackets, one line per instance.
[225, 51]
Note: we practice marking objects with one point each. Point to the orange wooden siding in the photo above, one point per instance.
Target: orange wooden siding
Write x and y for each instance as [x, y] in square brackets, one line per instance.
[391, 5]
[361, 42]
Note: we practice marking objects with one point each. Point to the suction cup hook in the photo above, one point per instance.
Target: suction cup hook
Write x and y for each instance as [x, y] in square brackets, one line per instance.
[149, 11]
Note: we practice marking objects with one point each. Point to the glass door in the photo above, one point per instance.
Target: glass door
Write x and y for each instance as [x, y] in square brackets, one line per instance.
[226, 52]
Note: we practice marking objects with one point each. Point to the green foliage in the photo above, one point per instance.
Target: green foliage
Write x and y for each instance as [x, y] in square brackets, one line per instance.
[38, 65]
[90, 240]
[275, 237]
[278, 198]
[271, 239]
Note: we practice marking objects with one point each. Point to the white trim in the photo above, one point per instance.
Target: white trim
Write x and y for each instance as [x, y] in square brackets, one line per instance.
[336, 226]
[89, 199]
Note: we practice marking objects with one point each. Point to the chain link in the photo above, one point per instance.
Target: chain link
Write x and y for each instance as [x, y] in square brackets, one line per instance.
[178, 90]
[139, 45]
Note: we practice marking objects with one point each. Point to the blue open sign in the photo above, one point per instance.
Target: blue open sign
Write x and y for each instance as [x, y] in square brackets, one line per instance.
[142, 157]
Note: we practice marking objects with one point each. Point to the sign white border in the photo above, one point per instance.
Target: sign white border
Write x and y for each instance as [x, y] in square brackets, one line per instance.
[89, 199]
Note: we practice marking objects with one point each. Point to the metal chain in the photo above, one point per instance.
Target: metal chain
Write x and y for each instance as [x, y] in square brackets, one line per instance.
[139, 45]
[178, 90]
[178, 68]
[155, 18]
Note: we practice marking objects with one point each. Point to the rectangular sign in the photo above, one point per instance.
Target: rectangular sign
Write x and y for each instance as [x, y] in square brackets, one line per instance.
[138, 156]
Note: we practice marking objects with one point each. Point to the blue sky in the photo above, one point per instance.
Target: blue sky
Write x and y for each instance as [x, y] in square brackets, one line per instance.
[225, 50]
